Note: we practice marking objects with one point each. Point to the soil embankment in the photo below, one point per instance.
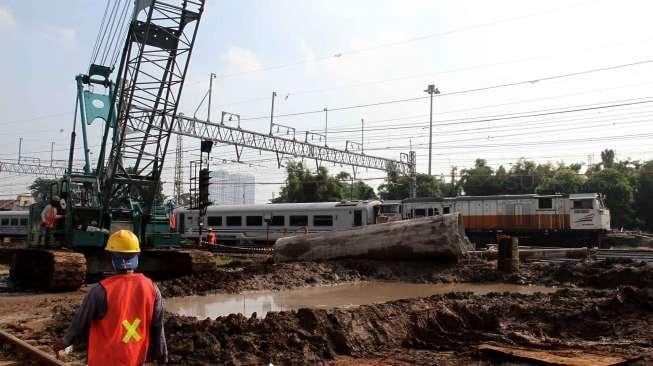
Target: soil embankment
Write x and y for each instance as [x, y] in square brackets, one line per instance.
[439, 328]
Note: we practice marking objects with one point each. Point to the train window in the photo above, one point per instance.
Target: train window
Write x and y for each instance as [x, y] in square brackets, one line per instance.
[544, 203]
[446, 210]
[299, 220]
[278, 221]
[214, 221]
[322, 220]
[14, 222]
[420, 212]
[4, 222]
[254, 220]
[583, 204]
[430, 212]
[234, 220]
[23, 222]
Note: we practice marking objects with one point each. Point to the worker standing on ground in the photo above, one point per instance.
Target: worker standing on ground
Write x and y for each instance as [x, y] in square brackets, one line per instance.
[49, 217]
[212, 237]
[124, 313]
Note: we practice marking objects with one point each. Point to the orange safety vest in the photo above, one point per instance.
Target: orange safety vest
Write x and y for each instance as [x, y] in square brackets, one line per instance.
[121, 337]
[212, 238]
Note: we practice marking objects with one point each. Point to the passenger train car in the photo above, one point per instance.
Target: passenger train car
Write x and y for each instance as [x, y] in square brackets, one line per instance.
[535, 219]
[269, 222]
[13, 223]
[575, 218]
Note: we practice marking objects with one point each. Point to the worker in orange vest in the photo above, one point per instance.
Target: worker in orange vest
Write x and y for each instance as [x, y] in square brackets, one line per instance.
[212, 237]
[124, 312]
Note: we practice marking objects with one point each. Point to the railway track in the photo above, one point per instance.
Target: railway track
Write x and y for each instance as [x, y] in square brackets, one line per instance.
[245, 252]
[633, 254]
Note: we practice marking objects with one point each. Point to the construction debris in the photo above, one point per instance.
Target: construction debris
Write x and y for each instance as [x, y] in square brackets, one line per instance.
[439, 237]
[559, 357]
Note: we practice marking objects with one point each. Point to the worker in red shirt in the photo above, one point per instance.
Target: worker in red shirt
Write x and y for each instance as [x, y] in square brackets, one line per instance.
[212, 237]
[123, 313]
[49, 216]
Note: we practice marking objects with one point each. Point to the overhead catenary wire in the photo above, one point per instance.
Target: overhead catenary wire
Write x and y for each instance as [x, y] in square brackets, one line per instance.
[458, 92]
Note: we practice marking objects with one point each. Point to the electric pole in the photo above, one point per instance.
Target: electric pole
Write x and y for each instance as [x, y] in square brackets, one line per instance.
[211, 77]
[51, 151]
[20, 148]
[274, 94]
[362, 134]
[431, 89]
[326, 124]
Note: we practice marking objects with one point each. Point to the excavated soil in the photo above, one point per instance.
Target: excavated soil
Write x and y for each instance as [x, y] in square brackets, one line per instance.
[610, 312]
[271, 276]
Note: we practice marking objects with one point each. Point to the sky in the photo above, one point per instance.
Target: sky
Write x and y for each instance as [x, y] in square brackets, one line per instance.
[505, 70]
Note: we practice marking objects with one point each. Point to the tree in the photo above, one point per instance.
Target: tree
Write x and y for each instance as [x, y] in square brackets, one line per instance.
[564, 180]
[524, 177]
[304, 186]
[397, 187]
[619, 195]
[607, 158]
[40, 189]
[357, 190]
[480, 180]
[644, 197]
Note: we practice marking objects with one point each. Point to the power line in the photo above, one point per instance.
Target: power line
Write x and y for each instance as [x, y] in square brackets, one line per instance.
[464, 91]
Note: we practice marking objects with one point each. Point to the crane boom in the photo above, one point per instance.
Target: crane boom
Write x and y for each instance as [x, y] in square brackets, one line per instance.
[151, 75]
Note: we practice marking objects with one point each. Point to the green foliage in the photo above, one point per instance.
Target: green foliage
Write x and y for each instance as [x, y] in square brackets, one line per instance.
[304, 186]
[564, 180]
[619, 195]
[397, 186]
[644, 196]
[40, 189]
[481, 180]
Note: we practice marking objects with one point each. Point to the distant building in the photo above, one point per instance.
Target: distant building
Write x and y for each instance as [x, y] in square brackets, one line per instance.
[22, 202]
[231, 189]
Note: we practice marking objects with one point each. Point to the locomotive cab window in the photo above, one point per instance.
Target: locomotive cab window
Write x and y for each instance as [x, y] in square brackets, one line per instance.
[254, 220]
[545, 203]
[278, 221]
[420, 212]
[583, 204]
[234, 221]
[298, 220]
[214, 220]
[322, 220]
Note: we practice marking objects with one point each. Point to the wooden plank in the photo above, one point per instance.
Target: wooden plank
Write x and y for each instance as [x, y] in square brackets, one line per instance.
[561, 357]
[36, 354]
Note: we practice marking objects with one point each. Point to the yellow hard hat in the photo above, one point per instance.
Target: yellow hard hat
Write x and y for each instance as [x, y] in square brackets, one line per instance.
[123, 241]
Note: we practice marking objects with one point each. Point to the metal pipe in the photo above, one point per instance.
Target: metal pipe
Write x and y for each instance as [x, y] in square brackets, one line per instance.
[35, 353]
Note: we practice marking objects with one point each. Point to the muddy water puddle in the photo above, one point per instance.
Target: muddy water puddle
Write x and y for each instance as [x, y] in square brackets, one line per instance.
[337, 296]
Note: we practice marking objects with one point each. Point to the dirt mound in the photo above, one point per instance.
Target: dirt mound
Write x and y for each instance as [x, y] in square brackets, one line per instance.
[271, 276]
[599, 274]
[617, 320]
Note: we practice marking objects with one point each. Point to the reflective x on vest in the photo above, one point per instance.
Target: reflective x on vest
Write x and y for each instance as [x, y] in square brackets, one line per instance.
[131, 330]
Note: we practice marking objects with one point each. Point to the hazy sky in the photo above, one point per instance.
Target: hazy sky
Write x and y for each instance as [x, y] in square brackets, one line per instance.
[318, 54]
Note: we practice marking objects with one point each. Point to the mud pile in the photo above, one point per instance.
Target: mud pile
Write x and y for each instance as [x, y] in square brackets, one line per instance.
[270, 276]
[616, 321]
